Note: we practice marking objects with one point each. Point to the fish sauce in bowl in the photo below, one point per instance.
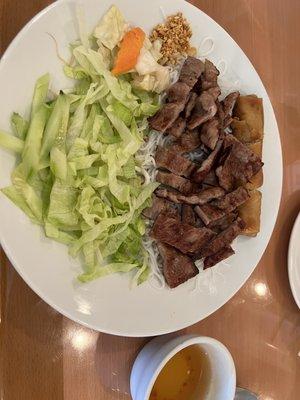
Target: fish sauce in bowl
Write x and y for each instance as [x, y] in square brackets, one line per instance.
[186, 376]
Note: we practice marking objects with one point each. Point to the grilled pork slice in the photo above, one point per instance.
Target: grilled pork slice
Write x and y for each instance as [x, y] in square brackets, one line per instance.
[239, 166]
[158, 206]
[178, 93]
[189, 141]
[209, 79]
[177, 267]
[190, 104]
[184, 237]
[208, 164]
[209, 213]
[205, 109]
[188, 215]
[191, 71]
[173, 162]
[177, 128]
[177, 182]
[210, 133]
[221, 255]
[165, 117]
[204, 196]
[232, 200]
[224, 239]
[227, 106]
[223, 223]
[217, 209]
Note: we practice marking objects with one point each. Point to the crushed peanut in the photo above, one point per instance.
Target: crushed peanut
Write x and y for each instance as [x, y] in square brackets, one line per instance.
[175, 36]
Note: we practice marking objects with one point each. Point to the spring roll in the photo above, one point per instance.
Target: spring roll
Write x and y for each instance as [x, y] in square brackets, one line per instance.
[250, 109]
[257, 180]
[243, 132]
[250, 213]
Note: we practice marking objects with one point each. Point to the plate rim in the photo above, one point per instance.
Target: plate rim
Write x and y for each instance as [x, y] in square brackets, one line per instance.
[92, 325]
[291, 265]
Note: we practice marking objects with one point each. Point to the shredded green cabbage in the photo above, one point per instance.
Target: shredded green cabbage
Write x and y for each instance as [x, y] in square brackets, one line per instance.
[77, 172]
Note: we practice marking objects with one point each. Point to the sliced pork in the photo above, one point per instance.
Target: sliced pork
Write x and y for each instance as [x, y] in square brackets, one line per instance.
[177, 182]
[204, 196]
[209, 213]
[223, 223]
[229, 103]
[197, 213]
[184, 237]
[177, 128]
[207, 165]
[211, 179]
[158, 206]
[191, 71]
[210, 133]
[240, 165]
[173, 162]
[210, 76]
[205, 109]
[190, 105]
[165, 117]
[178, 93]
[177, 267]
[189, 141]
[232, 200]
[217, 209]
[224, 239]
[188, 215]
[221, 255]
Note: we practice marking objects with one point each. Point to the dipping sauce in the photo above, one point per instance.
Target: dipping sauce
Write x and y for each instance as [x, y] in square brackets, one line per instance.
[185, 377]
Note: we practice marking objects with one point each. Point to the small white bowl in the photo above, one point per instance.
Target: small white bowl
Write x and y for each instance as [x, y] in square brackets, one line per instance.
[160, 350]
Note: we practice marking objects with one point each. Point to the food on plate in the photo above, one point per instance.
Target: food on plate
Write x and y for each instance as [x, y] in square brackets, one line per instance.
[168, 159]
[96, 176]
[78, 174]
[248, 127]
[175, 34]
[250, 213]
[178, 96]
[206, 170]
[217, 257]
[177, 267]
[130, 48]
[248, 122]
[257, 180]
[250, 109]
[184, 237]
[242, 131]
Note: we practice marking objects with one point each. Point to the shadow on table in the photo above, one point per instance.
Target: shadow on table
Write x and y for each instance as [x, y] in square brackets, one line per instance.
[277, 278]
[118, 355]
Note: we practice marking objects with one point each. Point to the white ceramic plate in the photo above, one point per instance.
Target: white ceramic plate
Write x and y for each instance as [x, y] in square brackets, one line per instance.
[294, 261]
[109, 304]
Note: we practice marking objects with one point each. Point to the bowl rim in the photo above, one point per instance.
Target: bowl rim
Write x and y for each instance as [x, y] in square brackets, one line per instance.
[187, 341]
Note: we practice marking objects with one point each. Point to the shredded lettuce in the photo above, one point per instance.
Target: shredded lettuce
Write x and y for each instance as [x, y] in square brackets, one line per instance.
[151, 76]
[106, 270]
[11, 142]
[40, 93]
[111, 28]
[19, 125]
[78, 175]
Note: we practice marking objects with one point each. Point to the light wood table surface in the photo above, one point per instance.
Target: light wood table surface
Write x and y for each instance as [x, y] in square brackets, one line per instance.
[45, 356]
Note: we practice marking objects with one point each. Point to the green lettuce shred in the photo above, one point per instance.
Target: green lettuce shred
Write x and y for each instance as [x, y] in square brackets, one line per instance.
[77, 172]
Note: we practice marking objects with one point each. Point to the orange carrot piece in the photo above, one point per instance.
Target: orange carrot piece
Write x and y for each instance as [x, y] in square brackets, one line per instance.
[129, 51]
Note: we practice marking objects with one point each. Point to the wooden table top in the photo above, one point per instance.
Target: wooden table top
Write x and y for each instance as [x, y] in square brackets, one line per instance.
[45, 356]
